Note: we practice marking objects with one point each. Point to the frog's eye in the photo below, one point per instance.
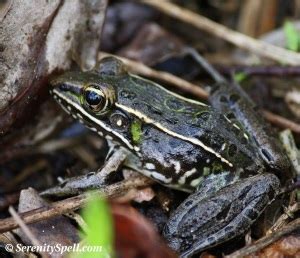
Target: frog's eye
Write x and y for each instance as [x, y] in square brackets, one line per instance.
[95, 99]
[98, 98]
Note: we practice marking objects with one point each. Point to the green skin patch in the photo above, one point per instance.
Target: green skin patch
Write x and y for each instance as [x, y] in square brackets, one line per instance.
[136, 131]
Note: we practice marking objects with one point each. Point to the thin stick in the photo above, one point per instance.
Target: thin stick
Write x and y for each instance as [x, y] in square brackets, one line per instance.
[240, 40]
[281, 121]
[74, 203]
[25, 228]
[265, 241]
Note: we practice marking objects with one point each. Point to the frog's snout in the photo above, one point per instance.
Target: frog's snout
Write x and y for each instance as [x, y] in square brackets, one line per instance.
[64, 85]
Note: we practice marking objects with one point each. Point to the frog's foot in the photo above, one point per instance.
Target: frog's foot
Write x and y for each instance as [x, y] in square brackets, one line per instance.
[198, 225]
[92, 180]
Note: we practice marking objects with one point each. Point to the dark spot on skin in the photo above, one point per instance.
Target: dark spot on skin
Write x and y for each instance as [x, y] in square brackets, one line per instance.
[204, 137]
[188, 203]
[234, 98]
[271, 194]
[217, 142]
[223, 99]
[146, 130]
[90, 174]
[173, 104]
[156, 140]
[154, 110]
[267, 155]
[231, 116]
[228, 229]
[204, 116]
[128, 95]
[143, 106]
[223, 214]
[211, 239]
[232, 150]
[172, 120]
[175, 143]
[252, 214]
[244, 140]
[63, 184]
[244, 193]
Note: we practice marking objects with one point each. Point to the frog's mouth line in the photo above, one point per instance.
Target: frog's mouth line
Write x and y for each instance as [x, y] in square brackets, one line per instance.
[194, 141]
[60, 98]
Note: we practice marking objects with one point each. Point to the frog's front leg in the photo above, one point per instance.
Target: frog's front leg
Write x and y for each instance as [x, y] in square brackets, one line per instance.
[200, 223]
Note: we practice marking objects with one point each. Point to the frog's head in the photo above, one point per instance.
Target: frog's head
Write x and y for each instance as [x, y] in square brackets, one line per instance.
[91, 98]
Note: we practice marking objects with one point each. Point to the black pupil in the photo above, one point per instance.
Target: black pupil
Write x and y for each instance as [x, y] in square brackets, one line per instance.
[93, 98]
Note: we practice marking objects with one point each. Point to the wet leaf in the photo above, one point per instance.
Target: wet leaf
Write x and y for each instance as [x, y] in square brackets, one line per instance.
[136, 237]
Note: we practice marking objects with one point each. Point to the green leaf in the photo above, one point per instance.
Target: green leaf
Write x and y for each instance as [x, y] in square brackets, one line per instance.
[99, 232]
[292, 36]
[239, 77]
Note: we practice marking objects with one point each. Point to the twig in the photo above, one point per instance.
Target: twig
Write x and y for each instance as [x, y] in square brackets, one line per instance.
[25, 229]
[281, 121]
[260, 70]
[74, 203]
[240, 40]
[282, 220]
[265, 241]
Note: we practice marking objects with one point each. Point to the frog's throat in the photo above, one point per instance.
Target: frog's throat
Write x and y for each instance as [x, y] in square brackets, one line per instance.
[192, 140]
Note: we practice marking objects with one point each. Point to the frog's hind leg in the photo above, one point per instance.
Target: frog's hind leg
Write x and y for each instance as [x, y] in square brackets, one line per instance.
[199, 225]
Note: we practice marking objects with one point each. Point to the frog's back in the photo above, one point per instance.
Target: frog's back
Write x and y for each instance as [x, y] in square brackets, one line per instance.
[188, 120]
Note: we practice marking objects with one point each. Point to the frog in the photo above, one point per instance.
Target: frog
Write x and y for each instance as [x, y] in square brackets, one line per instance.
[223, 154]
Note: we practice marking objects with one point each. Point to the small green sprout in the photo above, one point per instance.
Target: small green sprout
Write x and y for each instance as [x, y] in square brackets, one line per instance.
[240, 76]
[292, 36]
[99, 232]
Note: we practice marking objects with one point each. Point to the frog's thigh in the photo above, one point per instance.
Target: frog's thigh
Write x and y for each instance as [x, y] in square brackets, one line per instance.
[228, 213]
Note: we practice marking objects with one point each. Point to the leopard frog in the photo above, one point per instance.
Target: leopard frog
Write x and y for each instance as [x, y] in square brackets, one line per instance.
[212, 151]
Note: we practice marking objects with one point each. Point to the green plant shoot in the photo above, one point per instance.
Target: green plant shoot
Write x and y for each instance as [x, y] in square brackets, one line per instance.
[292, 36]
[99, 231]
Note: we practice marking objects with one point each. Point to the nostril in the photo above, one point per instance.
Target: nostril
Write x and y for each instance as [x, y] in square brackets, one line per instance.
[64, 87]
